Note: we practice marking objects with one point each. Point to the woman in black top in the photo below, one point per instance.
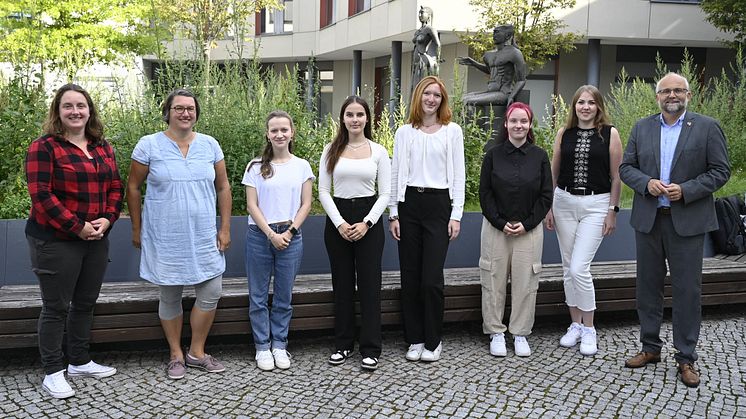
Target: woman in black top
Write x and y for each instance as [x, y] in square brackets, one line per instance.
[585, 171]
[515, 191]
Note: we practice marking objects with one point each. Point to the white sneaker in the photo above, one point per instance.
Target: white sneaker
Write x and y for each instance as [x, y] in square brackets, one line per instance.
[432, 356]
[91, 369]
[56, 385]
[414, 353]
[282, 358]
[497, 345]
[521, 347]
[588, 345]
[572, 337]
[265, 361]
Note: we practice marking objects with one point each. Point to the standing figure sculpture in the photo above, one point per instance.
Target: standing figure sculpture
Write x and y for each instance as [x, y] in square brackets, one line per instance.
[505, 66]
[426, 53]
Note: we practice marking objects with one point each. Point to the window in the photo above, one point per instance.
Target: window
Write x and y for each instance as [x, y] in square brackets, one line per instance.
[357, 6]
[268, 20]
[327, 12]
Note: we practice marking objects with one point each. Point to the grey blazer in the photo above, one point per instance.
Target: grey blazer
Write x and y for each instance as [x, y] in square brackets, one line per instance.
[700, 165]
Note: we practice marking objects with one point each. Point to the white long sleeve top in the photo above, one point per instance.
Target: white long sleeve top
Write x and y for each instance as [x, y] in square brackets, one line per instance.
[408, 142]
[356, 178]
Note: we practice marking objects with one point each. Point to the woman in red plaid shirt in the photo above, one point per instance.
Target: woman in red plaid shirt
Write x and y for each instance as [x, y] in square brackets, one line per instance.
[76, 195]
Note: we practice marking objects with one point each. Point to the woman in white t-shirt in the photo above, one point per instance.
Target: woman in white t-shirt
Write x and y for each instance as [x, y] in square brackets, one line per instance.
[278, 197]
[354, 237]
[427, 201]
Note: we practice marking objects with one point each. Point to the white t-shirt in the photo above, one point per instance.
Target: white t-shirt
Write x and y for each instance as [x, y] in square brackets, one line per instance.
[280, 195]
[356, 178]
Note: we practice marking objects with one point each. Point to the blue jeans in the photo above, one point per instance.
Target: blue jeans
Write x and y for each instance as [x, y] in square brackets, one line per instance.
[270, 326]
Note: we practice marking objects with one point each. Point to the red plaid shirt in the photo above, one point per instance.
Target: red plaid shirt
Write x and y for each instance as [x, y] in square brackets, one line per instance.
[67, 188]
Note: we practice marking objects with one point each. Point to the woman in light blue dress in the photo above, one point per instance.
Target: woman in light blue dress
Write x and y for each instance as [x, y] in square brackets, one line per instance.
[176, 226]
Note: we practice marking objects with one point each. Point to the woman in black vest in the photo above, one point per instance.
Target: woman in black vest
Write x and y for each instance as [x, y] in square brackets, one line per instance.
[585, 172]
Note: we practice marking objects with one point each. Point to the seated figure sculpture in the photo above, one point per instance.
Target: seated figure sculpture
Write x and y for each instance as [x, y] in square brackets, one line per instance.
[506, 68]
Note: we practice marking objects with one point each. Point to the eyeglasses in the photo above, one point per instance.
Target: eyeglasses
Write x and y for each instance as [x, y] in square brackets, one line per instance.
[182, 109]
[677, 91]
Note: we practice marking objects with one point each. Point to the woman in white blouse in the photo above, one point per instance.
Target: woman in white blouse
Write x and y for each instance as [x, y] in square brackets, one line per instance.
[354, 237]
[427, 201]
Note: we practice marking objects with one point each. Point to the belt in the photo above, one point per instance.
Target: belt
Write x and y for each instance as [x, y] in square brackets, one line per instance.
[664, 210]
[361, 199]
[281, 223]
[421, 189]
[578, 191]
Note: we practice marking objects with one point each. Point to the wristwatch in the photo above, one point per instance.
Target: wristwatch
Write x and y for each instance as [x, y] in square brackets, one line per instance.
[393, 218]
[293, 230]
[369, 224]
[614, 207]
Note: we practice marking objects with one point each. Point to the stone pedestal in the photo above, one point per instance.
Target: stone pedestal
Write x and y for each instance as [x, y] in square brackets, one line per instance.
[497, 128]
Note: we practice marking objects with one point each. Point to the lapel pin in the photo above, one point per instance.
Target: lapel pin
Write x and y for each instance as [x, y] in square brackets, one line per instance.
[689, 123]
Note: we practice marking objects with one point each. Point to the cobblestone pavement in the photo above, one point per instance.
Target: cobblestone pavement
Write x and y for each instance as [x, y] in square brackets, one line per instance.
[466, 382]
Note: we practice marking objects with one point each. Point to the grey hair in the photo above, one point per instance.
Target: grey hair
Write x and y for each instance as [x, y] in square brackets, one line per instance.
[671, 73]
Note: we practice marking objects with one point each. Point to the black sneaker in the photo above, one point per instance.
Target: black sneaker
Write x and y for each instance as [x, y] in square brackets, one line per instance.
[339, 357]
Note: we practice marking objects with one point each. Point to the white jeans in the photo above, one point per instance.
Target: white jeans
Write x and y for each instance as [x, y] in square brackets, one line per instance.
[579, 222]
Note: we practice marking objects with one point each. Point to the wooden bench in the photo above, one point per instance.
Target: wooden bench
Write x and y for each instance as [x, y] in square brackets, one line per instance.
[127, 311]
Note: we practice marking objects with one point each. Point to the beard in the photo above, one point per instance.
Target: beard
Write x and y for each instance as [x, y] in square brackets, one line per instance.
[673, 107]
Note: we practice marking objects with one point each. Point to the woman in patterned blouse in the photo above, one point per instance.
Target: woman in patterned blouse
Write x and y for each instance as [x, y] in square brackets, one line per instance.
[585, 173]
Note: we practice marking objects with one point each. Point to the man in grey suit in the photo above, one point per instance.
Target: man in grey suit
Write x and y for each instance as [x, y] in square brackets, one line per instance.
[674, 161]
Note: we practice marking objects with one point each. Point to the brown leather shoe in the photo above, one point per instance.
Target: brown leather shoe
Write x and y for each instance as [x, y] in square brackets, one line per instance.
[689, 376]
[642, 359]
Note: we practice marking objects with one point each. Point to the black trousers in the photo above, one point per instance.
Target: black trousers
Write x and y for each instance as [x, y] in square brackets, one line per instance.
[356, 262]
[423, 223]
[70, 275]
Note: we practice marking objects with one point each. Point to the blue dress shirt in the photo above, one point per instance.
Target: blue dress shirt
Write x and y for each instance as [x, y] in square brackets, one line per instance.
[669, 139]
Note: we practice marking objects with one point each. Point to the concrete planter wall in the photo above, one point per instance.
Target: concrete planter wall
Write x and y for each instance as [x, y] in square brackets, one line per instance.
[463, 252]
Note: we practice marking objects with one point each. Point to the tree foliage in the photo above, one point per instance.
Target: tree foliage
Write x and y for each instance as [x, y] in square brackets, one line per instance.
[728, 16]
[208, 21]
[67, 35]
[537, 31]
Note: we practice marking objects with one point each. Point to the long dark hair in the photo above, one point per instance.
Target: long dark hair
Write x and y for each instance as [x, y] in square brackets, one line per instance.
[94, 129]
[337, 147]
[268, 154]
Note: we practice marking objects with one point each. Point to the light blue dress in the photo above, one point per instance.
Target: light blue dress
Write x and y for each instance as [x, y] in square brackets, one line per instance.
[179, 233]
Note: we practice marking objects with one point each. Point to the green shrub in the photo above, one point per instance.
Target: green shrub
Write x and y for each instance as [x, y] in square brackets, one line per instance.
[235, 105]
[22, 111]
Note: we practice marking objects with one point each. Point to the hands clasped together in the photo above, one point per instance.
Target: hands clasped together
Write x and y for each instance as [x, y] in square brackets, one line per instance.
[671, 190]
[514, 228]
[94, 230]
[354, 232]
[281, 241]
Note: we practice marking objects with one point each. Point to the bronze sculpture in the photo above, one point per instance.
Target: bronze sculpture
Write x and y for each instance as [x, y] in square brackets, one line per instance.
[426, 53]
[505, 66]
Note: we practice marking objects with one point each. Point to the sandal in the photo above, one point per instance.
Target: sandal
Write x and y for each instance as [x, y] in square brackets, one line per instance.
[369, 363]
[339, 357]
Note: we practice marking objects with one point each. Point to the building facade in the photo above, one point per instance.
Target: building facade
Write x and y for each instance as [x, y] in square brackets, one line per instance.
[361, 45]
